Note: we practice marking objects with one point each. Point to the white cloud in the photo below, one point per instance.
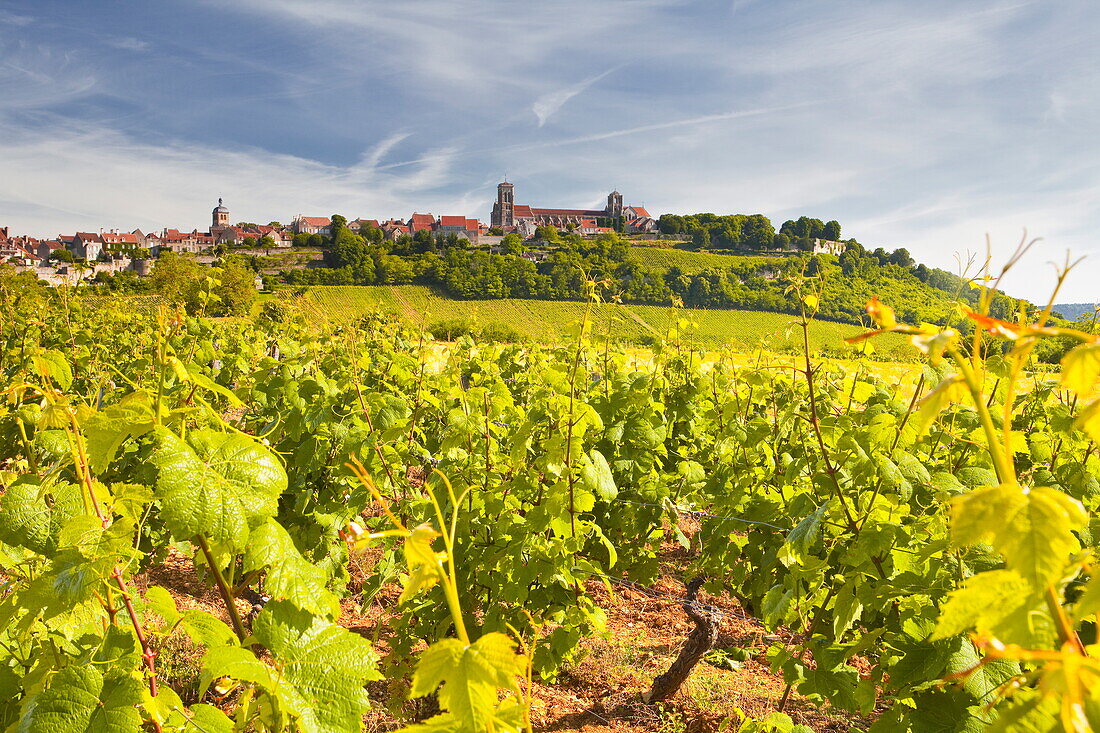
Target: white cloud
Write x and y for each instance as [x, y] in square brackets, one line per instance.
[128, 44]
[549, 103]
[77, 177]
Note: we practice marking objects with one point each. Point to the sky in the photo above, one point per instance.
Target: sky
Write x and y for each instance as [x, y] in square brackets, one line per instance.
[926, 125]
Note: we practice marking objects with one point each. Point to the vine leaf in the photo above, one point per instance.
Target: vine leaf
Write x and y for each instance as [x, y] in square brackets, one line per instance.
[318, 669]
[997, 603]
[80, 700]
[470, 676]
[597, 477]
[1032, 528]
[105, 431]
[31, 515]
[425, 564]
[1081, 368]
[218, 487]
[288, 574]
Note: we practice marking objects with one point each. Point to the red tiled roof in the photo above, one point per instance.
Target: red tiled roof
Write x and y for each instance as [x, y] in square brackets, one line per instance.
[119, 238]
[316, 221]
[453, 221]
[472, 225]
[640, 211]
[89, 237]
[522, 210]
[566, 212]
[421, 221]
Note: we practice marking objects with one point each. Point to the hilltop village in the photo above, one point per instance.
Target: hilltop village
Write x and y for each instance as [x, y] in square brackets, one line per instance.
[81, 256]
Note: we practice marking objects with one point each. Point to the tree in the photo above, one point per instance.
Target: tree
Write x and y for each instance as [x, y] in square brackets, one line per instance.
[316, 240]
[236, 289]
[781, 242]
[174, 276]
[339, 223]
[61, 255]
[831, 231]
[902, 258]
[512, 244]
[301, 239]
[266, 242]
[670, 224]
[757, 232]
[548, 233]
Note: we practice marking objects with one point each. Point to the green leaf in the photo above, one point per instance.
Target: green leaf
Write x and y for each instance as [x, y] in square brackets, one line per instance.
[1088, 420]
[207, 630]
[425, 564]
[288, 574]
[31, 515]
[162, 603]
[79, 700]
[997, 603]
[248, 465]
[846, 610]
[596, 476]
[320, 668]
[1081, 368]
[51, 364]
[105, 431]
[217, 488]
[950, 391]
[806, 532]
[1032, 528]
[470, 676]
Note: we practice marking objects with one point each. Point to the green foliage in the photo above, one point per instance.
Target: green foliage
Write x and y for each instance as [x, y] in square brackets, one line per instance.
[904, 537]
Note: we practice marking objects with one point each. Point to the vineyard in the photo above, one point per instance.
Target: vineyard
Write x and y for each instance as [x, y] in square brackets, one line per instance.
[198, 517]
[549, 321]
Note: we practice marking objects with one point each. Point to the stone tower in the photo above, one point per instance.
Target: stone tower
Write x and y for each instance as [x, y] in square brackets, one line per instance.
[504, 208]
[219, 221]
[614, 204]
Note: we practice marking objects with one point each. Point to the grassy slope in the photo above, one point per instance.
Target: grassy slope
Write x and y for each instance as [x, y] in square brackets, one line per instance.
[913, 300]
[689, 262]
[549, 321]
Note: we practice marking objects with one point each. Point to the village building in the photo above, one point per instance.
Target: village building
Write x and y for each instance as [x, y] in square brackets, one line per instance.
[825, 246]
[87, 246]
[117, 242]
[508, 215]
[312, 225]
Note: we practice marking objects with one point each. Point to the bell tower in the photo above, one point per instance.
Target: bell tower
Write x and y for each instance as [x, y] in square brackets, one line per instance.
[219, 220]
[614, 204]
[504, 208]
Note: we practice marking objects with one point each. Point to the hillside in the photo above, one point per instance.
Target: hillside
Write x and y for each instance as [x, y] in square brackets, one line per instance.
[1073, 311]
[757, 282]
[550, 321]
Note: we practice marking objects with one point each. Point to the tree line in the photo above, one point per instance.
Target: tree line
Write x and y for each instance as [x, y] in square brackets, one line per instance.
[754, 232]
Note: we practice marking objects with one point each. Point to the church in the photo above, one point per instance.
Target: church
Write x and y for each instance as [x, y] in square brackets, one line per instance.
[511, 216]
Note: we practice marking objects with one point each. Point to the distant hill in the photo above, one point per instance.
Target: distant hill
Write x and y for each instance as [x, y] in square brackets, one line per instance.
[1073, 311]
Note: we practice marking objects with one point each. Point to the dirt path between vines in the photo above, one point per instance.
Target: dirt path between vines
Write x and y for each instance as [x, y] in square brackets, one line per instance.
[602, 691]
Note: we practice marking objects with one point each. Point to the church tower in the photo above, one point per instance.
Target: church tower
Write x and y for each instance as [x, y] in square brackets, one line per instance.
[614, 204]
[504, 208]
[220, 219]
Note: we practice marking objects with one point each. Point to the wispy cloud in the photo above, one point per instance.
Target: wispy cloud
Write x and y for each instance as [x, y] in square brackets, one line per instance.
[128, 44]
[549, 103]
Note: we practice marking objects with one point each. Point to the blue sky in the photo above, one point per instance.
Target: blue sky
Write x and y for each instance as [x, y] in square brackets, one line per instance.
[923, 125]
